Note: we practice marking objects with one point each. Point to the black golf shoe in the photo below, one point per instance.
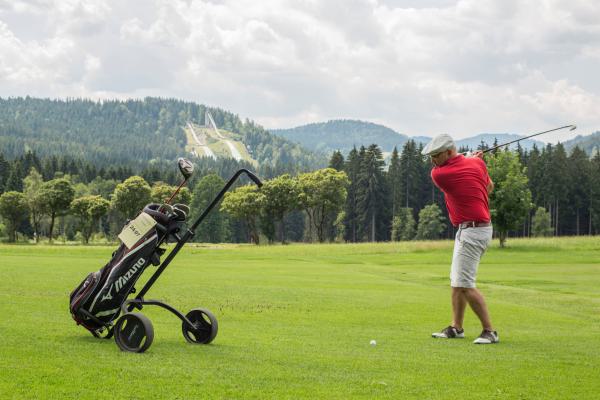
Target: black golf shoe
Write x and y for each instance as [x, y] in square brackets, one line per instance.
[449, 332]
[487, 337]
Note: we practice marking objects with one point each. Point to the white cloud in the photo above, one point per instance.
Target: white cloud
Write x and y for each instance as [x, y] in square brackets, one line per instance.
[420, 67]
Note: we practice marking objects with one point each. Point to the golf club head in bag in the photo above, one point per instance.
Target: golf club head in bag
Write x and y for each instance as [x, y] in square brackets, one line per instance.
[185, 167]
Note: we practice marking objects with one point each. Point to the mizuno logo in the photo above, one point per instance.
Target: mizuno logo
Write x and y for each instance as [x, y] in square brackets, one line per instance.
[125, 278]
[119, 283]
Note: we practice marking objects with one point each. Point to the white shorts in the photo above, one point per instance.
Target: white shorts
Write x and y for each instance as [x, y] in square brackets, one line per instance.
[469, 246]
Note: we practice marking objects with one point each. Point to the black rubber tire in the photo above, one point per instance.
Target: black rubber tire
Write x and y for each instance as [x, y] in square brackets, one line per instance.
[206, 326]
[134, 332]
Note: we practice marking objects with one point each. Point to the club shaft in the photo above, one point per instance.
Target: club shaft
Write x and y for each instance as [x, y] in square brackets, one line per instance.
[527, 137]
[176, 191]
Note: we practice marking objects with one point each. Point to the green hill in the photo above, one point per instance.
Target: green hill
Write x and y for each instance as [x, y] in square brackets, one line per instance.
[490, 138]
[342, 135]
[590, 144]
[135, 133]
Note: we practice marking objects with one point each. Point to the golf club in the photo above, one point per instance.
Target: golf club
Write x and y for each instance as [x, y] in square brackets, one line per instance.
[572, 128]
[186, 168]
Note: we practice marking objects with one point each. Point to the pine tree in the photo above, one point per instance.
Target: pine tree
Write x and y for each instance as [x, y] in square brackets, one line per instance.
[579, 177]
[352, 169]
[394, 179]
[559, 185]
[4, 172]
[594, 221]
[337, 161]
[14, 182]
[410, 174]
[373, 197]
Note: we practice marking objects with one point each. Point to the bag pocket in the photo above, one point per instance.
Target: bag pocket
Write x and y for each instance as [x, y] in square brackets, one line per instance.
[82, 293]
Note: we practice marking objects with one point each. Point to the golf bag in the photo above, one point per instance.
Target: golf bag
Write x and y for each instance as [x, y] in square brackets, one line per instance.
[97, 301]
[101, 303]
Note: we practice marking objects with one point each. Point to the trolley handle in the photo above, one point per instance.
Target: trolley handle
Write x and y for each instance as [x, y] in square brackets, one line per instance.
[216, 200]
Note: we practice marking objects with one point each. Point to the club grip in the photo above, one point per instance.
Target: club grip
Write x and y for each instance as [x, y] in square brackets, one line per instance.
[254, 178]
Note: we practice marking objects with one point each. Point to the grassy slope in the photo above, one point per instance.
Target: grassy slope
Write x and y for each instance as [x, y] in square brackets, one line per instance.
[217, 145]
[295, 322]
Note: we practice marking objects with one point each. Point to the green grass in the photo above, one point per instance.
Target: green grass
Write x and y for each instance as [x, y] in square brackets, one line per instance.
[296, 321]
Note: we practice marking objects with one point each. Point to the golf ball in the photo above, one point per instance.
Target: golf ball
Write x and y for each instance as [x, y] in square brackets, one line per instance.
[373, 342]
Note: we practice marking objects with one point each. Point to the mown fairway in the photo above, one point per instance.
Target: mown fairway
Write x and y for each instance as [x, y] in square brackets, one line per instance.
[296, 321]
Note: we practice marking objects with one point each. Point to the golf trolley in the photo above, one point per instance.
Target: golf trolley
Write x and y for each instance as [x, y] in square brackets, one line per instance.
[103, 295]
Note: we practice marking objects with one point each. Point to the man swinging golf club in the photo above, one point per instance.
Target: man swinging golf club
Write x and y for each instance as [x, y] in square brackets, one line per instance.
[466, 185]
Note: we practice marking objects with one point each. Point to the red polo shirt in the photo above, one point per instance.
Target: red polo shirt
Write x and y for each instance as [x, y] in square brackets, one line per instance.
[464, 182]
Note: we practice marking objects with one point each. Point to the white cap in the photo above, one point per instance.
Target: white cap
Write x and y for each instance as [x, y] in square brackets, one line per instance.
[438, 144]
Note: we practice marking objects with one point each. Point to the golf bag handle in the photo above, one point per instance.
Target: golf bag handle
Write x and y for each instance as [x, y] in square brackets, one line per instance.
[191, 232]
[222, 193]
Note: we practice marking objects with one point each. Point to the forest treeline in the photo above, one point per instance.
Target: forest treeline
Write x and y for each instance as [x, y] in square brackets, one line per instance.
[132, 134]
[358, 198]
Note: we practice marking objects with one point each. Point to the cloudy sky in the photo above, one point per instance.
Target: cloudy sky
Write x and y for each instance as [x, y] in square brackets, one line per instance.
[420, 67]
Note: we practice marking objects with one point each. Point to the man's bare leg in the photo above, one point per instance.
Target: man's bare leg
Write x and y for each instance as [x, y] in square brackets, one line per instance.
[477, 303]
[459, 304]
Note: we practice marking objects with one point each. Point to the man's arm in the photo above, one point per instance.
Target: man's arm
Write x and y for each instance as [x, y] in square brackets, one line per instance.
[490, 187]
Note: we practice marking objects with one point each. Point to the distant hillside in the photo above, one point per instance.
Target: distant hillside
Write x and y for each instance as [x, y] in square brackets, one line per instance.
[342, 135]
[590, 144]
[489, 138]
[136, 132]
[345, 134]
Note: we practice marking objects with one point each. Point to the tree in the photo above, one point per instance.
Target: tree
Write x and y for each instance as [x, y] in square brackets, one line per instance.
[559, 184]
[88, 210]
[352, 169]
[131, 196]
[4, 172]
[214, 227]
[35, 201]
[13, 209]
[245, 203]
[14, 182]
[510, 201]
[594, 221]
[431, 223]
[337, 161]
[57, 195]
[322, 195]
[542, 223]
[281, 195]
[373, 197]
[410, 176]
[102, 187]
[403, 225]
[579, 184]
[162, 191]
[395, 182]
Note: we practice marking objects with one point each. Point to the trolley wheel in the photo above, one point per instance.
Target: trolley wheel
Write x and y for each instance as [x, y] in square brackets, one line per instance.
[134, 332]
[205, 324]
